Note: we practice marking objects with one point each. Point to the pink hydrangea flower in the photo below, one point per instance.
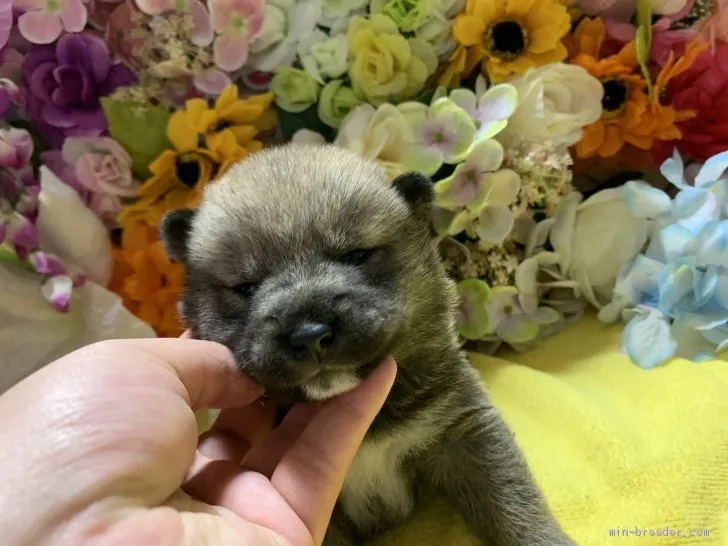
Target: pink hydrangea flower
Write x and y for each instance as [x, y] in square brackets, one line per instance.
[45, 20]
[202, 34]
[237, 23]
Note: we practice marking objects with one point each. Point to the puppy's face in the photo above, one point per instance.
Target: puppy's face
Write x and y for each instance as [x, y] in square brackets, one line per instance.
[299, 260]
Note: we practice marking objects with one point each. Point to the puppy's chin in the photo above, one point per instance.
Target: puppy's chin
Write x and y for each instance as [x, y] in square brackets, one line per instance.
[330, 383]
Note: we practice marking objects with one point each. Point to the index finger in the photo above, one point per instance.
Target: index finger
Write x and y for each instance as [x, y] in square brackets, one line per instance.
[311, 474]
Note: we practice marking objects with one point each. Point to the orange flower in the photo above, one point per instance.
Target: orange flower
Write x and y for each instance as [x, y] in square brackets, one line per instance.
[148, 283]
[629, 115]
[506, 38]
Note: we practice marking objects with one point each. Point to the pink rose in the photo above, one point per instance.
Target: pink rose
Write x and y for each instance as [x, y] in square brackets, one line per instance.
[103, 168]
[16, 147]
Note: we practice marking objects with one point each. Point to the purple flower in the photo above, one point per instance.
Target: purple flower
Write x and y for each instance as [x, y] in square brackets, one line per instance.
[64, 82]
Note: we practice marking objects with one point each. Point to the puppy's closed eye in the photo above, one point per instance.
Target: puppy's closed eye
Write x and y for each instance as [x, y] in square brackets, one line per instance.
[245, 290]
[358, 257]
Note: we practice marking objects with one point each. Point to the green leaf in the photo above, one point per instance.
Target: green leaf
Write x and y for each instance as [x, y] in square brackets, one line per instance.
[291, 123]
[141, 130]
[643, 39]
[8, 255]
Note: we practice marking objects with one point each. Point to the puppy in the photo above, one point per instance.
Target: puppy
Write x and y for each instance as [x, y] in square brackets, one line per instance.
[311, 266]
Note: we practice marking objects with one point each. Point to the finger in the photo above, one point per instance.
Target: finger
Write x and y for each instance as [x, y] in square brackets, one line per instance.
[235, 430]
[265, 455]
[206, 369]
[311, 473]
[249, 495]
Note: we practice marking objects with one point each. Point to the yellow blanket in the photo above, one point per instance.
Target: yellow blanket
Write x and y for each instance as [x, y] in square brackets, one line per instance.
[615, 448]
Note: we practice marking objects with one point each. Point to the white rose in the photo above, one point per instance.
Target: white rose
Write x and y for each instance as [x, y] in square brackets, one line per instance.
[324, 57]
[555, 102]
[379, 134]
[438, 33]
[594, 239]
[334, 10]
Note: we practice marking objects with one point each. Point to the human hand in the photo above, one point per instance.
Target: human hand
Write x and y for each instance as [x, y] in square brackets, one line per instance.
[99, 446]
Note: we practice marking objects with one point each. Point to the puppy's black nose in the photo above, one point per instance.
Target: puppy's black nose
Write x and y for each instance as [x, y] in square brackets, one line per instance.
[311, 339]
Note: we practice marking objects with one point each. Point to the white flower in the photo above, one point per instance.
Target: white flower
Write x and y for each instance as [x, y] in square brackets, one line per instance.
[34, 334]
[68, 229]
[334, 12]
[286, 24]
[555, 102]
[380, 134]
[324, 57]
[594, 240]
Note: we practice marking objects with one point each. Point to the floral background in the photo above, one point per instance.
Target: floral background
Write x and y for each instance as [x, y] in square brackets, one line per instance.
[578, 149]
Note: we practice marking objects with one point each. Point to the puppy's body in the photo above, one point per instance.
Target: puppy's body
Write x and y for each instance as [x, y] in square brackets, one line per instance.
[300, 239]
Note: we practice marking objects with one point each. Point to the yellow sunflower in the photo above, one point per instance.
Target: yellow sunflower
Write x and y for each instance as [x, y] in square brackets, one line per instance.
[506, 37]
[206, 141]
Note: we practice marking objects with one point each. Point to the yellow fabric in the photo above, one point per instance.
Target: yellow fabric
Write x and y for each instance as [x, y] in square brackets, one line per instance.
[612, 446]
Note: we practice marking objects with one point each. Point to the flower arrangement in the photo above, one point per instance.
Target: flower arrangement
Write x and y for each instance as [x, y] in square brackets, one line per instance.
[577, 149]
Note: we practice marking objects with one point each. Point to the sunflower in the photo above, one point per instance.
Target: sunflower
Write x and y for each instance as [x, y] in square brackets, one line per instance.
[206, 141]
[147, 282]
[625, 102]
[506, 37]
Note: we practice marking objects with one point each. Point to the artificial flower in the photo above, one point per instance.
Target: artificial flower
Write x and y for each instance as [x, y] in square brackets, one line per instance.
[440, 133]
[43, 21]
[479, 196]
[245, 118]
[335, 103]
[6, 21]
[236, 23]
[624, 101]
[378, 134]
[180, 175]
[665, 40]
[16, 147]
[594, 239]
[295, 90]
[511, 323]
[713, 27]
[64, 81]
[68, 229]
[340, 10]
[324, 57]
[386, 66]
[9, 96]
[490, 109]
[667, 7]
[202, 33]
[614, 10]
[292, 23]
[34, 334]
[148, 283]
[103, 168]
[555, 102]
[506, 38]
[407, 15]
[702, 88]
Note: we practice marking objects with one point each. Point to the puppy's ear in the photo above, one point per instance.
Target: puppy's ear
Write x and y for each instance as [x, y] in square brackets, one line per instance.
[174, 232]
[417, 190]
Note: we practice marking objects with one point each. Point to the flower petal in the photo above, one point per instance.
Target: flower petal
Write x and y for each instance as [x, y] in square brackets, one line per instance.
[212, 81]
[518, 330]
[694, 208]
[464, 98]
[505, 185]
[494, 109]
[712, 169]
[230, 51]
[57, 290]
[472, 317]
[494, 223]
[675, 285]
[712, 245]
[691, 344]
[306, 136]
[645, 201]
[40, 27]
[73, 15]
[674, 240]
[673, 170]
[648, 341]
[202, 33]
[486, 156]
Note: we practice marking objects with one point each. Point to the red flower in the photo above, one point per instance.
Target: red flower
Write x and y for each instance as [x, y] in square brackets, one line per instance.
[702, 88]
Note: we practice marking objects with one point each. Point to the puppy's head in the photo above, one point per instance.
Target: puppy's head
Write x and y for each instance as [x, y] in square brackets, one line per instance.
[304, 261]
